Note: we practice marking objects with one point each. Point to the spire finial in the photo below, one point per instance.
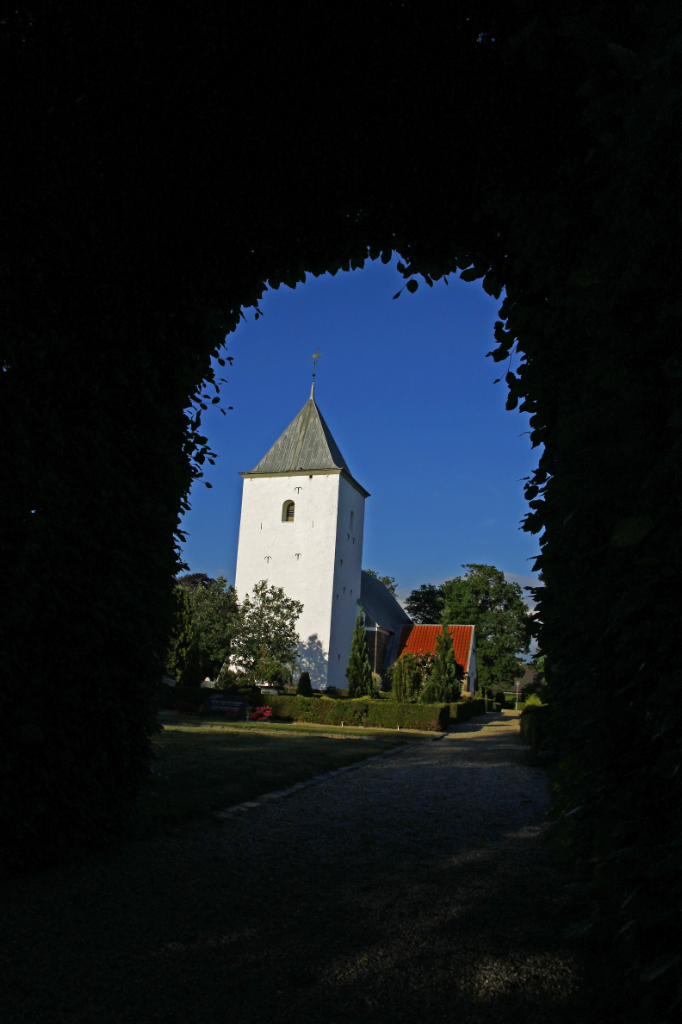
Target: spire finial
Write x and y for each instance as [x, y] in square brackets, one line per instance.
[316, 356]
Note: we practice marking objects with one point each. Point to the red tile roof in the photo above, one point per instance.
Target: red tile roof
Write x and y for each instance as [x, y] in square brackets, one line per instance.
[422, 640]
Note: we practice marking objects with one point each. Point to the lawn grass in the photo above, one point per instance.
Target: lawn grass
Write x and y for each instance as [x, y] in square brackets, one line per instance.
[203, 767]
[174, 719]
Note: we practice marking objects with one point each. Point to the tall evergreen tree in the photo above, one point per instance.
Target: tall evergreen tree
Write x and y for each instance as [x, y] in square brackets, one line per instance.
[443, 685]
[406, 678]
[359, 670]
[182, 662]
[304, 687]
[397, 684]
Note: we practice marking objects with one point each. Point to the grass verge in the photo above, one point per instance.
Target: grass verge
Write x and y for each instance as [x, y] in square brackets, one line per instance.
[202, 768]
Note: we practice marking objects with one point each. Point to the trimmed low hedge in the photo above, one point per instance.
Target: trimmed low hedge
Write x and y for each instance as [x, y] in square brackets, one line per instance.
[463, 710]
[533, 724]
[377, 714]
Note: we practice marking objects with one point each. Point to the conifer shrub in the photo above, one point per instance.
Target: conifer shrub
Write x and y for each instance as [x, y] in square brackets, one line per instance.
[359, 670]
[445, 679]
[407, 679]
[182, 661]
[304, 687]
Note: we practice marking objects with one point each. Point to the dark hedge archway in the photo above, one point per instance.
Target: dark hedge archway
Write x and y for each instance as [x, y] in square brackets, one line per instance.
[156, 175]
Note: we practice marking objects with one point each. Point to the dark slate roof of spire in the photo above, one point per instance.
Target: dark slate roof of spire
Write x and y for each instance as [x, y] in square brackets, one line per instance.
[306, 444]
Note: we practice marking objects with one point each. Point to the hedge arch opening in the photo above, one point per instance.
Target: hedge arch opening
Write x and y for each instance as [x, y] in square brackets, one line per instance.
[129, 260]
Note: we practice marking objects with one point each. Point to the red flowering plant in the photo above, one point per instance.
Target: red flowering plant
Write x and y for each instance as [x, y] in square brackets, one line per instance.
[261, 714]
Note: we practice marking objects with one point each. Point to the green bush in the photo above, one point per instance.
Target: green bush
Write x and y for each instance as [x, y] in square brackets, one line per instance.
[358, 670]
[463, 710]
[377, 714]
[304, 687]
[406, 679]
[533, 722]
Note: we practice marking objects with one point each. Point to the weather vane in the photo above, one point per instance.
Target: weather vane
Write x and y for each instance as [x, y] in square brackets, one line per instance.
[316, 356]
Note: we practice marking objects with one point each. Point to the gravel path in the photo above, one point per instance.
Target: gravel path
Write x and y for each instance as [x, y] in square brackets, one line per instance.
[417, 888]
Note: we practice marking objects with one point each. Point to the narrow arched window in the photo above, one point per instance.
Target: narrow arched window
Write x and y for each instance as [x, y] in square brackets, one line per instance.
[351, 521]
[288, 512]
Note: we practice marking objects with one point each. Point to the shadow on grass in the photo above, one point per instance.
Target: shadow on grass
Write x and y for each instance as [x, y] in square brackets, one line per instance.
[199, 771]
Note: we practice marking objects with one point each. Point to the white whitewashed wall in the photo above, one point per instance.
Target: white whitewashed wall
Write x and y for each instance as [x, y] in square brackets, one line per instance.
[304, 558]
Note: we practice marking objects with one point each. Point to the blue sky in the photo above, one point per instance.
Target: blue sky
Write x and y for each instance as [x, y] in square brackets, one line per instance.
[407, 392]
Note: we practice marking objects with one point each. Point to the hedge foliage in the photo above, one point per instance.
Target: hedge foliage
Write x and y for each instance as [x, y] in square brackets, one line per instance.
[534, 722]
[463, 710]
[377, 714]
[129, 254]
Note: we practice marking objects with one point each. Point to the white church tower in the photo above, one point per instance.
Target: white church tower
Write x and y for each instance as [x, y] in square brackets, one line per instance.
[301, 529]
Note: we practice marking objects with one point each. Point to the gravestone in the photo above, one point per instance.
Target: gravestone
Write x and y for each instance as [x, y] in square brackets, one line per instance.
[269, 690]
[228, 706]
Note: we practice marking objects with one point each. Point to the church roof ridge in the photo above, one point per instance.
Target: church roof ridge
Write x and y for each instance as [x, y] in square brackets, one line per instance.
[306, 444]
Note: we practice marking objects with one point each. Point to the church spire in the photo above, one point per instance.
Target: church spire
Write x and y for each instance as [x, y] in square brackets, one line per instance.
[307, 444]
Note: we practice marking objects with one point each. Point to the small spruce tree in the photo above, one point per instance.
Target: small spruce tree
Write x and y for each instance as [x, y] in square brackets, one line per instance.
[304, 687]
[359, 670]
[443, 685]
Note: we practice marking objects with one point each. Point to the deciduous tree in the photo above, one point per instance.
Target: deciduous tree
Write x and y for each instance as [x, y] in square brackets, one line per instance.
[216, 622]
[267, 623]
[484, 598]
[388, 581]
[425, 604]
[194, 580]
